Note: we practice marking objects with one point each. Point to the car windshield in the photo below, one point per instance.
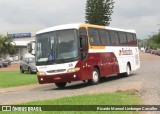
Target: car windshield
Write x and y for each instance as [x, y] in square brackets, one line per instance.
[31, 60]
[56, 46]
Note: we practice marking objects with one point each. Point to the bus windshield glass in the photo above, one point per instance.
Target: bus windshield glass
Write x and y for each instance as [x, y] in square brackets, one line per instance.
[56, 47]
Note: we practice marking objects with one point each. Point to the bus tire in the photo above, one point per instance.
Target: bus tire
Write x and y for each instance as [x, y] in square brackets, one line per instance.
[128, 70]
[61, 85]
[95, 77]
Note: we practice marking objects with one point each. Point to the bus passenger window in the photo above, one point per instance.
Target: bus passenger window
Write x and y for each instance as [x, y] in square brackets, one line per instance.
[94, 37]
[135, 39]
[130, 39]
[114, 38]
[122, 38]
[104, 36]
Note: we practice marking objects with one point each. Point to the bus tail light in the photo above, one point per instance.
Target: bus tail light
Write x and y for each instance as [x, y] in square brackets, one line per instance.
[73, 70]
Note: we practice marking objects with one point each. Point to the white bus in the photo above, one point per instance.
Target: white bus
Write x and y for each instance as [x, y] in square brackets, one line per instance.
[84, 52]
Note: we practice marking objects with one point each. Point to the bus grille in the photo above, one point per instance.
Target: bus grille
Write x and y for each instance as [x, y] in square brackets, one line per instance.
[56, 71]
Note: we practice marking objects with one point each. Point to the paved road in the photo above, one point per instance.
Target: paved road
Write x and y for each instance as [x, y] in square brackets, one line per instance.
[146, 80]
[150, 73]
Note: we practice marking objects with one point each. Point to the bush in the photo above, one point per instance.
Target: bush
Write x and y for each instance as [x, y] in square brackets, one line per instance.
[153, 46]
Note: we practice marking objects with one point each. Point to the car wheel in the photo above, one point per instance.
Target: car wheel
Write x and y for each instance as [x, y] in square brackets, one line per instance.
[29, 71]
[21, 70]
[5, 65]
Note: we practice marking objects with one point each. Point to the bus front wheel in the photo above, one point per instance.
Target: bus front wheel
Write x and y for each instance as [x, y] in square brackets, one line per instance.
[61, 85]
[95, 77]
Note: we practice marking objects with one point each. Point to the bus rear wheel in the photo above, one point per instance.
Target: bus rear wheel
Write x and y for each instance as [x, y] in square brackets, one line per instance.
[95, 77]
[127, 73]
[128, 70]
[61, 85]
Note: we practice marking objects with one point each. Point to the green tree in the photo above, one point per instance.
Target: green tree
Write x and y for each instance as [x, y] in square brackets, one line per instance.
[6, 45]
[99, 11]
[153, 46]
[155, 39]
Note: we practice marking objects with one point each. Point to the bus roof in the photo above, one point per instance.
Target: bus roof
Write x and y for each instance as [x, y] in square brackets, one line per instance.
[118, 29]
[60, 27]
[77, 25]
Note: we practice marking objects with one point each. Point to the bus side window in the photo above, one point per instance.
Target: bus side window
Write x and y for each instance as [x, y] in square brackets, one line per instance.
[135, 39]
[82, 31]
[122, 38]
[130, 39]
[114, 38]
[104, 37]
[94, 37]
[82, 36]
[83, 43]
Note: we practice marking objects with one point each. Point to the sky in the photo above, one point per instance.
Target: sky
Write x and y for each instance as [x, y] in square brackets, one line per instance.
[25, 16]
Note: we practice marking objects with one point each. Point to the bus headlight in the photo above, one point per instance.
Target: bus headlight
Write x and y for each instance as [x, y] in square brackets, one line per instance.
[73, 70]
[41, 73]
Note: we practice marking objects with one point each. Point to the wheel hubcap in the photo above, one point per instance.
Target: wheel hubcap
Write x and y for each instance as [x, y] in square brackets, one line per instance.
[128, 70]
[95, 76]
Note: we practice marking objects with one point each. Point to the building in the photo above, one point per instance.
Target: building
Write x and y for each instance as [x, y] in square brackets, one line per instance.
[21, 41]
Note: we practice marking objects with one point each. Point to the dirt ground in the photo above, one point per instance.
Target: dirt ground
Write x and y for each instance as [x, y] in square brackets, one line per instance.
[12, 67]
[143, 57]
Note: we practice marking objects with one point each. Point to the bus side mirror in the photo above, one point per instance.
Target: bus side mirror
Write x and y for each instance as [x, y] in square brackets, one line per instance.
[31, 47]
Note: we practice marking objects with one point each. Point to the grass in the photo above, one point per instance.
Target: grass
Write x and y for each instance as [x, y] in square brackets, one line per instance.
[15, 78]
[118, 98]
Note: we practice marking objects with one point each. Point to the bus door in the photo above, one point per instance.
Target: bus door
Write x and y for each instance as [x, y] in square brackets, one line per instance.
[84, 53]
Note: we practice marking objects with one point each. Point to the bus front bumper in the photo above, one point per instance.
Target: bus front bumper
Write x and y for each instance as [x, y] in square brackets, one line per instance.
[68, 77]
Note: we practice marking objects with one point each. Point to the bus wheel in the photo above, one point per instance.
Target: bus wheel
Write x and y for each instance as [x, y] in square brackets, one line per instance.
[61, 85]
[95, 77]
[128, 71]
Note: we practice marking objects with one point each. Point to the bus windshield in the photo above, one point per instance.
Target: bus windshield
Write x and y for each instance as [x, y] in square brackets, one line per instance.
[57, 46]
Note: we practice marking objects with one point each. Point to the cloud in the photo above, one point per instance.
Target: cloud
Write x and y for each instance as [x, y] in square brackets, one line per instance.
[25, 13]
[33, 15]
[142, 15]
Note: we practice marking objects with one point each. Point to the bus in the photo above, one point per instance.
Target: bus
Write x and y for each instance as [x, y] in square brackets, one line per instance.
[84, 52]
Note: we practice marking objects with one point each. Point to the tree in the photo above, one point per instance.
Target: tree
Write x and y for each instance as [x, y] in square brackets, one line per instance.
[6, 45]
[155, 39]
[153, 46]
[99, 12]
